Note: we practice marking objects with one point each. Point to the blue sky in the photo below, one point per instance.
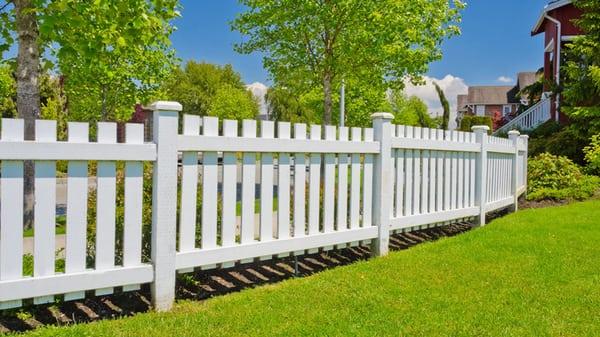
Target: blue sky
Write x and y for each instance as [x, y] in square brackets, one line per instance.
[495, 40]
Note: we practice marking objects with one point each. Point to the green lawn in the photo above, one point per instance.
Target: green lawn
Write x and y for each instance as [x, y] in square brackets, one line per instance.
[534, 273]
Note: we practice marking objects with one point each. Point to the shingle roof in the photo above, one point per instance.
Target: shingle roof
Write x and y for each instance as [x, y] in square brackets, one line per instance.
[461, 101]
[526, 79]
[489, 95]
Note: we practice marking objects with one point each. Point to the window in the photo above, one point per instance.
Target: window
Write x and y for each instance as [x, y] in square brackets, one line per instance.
[480, 110]
[506, 109]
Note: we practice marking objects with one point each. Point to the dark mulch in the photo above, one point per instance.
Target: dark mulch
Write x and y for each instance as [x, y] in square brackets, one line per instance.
[203, 284]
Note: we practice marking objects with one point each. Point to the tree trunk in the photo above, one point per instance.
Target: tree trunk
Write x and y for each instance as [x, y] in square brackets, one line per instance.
[28, 91]
[327, 101]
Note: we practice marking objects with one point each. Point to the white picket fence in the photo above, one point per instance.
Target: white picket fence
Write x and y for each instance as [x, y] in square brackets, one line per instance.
[375, 181]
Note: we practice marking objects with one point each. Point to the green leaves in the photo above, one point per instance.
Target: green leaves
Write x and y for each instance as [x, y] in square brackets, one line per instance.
[208, 89]
[309, 43]
[112, 54]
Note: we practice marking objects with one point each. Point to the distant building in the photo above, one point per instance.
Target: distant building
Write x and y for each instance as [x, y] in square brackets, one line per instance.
[493, 101]
[556, 21]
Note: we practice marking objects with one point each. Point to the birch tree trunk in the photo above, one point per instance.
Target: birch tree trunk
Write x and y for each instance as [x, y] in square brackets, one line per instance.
[28, 91]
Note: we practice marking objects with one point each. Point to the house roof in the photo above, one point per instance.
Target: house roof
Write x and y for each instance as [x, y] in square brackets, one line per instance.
[495, 95]
[461, 102]
[549, 7]
[525, 79]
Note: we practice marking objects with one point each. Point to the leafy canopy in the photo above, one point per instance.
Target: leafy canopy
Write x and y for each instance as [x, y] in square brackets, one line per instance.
[410, 110]
[311, 44]
[209, 89]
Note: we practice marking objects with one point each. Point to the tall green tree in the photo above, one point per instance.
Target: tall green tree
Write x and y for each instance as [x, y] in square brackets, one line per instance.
[209, 89]
[410, 110]
[581, 73]
[308, 43]
[445, 106]
[112, 54]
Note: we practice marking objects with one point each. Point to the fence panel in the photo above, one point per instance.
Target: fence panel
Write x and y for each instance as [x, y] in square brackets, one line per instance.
[44, 277]
[251, 193]
[264, 229]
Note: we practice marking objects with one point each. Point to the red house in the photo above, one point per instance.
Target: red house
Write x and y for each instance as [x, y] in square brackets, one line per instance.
[557, 23]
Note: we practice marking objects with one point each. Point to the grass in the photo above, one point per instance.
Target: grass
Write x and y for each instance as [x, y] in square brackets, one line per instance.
[61, 227]
[533, 273]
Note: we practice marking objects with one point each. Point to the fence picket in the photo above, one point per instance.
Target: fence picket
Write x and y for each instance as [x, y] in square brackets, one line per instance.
[342, 190]
[283, 185]
[314, 184]
[77, 196]
[355, 182]
[299, 185]
[228, 219]
[189, 189]
[11, 211]
[106, 194]
[267, 130]
[134, 189]
[248, 187]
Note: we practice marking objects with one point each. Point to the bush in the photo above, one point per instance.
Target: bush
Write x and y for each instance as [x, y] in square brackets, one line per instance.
[558, 178]
[469, 121]
[567, 141]
[592, 155]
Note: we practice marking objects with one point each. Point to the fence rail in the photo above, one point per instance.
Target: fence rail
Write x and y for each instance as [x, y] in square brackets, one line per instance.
[529, 119]
[237, 196]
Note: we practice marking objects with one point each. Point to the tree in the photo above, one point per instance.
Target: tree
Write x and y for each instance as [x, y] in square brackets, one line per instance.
[199, 87]
[410, 111]
[230, 102]
[581, 74]
[315, 44]
[445, 106]
[112, 54]
[8, 92]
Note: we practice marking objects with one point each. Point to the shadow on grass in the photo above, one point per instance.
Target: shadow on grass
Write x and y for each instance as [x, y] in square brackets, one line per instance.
[205, 284]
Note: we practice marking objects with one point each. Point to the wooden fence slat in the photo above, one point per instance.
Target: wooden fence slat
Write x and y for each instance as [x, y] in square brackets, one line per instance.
[368, 183]
[189, 189]
[228, 219]
[447, 173]
[299, 185]
[460, 191]
[44, 239]
[432, 173]
[417, 174]
[11, 211]
[439, 191]
[283, 185]
[248, 185]
[342, 190]
[267, 130]
[329, 188]
[134, 204]
[106, 195]
[77, 200]
[314, 185]
[355, 182]
[210, 179]
[409, 165]
[399, 172]
[426, 155]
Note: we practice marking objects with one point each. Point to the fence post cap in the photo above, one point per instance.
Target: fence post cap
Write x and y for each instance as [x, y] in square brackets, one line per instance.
[480, 128]
[513, 133]
[166, 106]
[382, 115]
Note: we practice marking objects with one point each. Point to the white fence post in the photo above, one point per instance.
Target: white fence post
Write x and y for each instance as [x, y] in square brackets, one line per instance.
[481, 137]
[164, 203]
[525, 161]
[513, 135]
[382, 182]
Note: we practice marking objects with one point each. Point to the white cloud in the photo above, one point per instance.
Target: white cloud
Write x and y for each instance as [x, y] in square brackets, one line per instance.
[452, 87]
[504, 79]
[259, 90]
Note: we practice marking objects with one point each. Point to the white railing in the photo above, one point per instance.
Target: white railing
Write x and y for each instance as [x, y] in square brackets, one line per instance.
[530, 118]
[376, 181]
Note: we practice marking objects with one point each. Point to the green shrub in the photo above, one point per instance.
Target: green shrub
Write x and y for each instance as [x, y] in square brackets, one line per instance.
[566, 142]
[558, 178]
[592, 155]
[469, 121]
